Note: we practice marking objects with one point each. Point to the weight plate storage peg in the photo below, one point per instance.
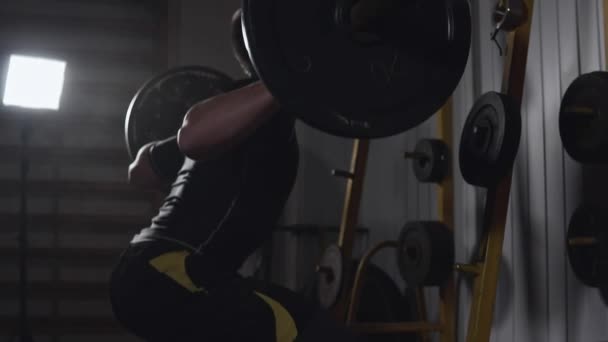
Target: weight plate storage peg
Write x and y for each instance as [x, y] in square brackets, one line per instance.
[583, 118]
[158, 108]
[430, 160]
[587, 245]
[490, 139]
[425, 253]
[330, 276]
[359, 69]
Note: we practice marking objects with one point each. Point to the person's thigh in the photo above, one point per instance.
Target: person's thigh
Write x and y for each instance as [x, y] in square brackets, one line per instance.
[247, 310]
[154, 301]
[149, 303]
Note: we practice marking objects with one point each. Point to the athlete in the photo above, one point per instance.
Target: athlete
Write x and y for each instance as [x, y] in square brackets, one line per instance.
[230, 170]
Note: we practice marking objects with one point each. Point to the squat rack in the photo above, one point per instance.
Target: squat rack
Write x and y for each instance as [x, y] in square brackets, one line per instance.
[348, 302]
[485, 269]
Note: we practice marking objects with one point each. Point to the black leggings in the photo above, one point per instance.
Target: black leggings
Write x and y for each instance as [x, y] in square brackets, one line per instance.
[156, 296]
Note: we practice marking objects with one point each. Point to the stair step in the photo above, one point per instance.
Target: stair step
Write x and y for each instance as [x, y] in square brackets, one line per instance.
[68, 155]
[74, 223]
[108, 190]
[65, 256]
[57, 290]
[66, 325]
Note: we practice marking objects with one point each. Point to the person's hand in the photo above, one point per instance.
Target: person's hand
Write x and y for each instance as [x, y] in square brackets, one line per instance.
[141, 173]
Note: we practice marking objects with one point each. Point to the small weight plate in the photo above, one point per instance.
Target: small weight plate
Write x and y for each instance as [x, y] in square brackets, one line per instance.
[425, 253]
[432, 161]
[586, 245]
[381, 81]
[490, 139]
[330, 276]
[583, 119]
[158, 108]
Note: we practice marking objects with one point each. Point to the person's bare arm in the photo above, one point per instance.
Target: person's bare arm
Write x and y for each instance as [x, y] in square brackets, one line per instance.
[213, 126]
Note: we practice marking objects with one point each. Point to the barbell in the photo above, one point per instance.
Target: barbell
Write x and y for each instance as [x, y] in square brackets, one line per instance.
[353, 68]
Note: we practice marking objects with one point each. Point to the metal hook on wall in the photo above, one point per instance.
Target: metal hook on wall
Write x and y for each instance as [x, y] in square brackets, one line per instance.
[508, 16]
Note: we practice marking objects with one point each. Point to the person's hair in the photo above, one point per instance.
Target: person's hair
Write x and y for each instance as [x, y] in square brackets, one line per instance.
[238, 44]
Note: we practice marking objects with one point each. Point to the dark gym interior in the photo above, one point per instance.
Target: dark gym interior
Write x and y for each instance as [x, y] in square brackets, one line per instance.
[482, 225]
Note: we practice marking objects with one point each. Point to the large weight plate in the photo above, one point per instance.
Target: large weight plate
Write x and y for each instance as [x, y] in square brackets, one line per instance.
[583, 119]
[490, 139]
[158, 108]
[342, 85]
[587, 246]
[425, 253]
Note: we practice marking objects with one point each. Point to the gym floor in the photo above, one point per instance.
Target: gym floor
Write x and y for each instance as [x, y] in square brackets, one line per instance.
[82, 212]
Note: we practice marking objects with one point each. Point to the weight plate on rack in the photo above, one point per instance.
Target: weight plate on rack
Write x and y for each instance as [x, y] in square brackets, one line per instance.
[587, 246]
[604, 293]
[157, 110]
[352, 74]
[490, 139]
[431, 160]
[583, 118]
[383, 301]
[425, 253]
[330, 276]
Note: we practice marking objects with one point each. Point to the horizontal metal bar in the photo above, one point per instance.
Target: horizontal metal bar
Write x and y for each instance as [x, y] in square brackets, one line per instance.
[583, 241]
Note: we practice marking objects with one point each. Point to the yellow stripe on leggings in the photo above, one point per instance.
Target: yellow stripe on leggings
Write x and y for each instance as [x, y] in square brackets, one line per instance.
[173, 265]
[285, 327]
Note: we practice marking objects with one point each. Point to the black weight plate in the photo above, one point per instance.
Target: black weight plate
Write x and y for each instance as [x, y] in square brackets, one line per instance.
[604, 293]
[434, 166]
[382, 301]
[583, 119]
[341, 85]
[490, 139]
[425, 253]
[158, 108]
[589, 262]
[330, 276]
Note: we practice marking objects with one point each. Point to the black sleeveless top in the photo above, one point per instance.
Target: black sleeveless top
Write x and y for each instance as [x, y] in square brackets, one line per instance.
[226, 207]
